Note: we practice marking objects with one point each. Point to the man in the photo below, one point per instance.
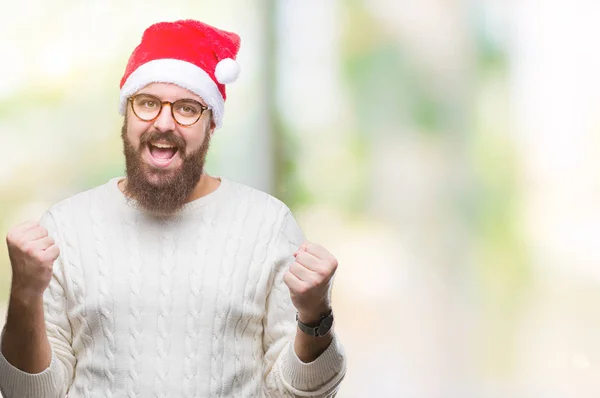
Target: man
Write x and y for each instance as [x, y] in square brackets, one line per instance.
[170, 282]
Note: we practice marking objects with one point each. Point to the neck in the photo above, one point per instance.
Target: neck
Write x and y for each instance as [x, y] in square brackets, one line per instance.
[206, 185]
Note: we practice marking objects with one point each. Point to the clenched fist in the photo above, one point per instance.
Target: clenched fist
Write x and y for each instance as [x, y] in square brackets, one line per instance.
[32, 253]
[309, 279]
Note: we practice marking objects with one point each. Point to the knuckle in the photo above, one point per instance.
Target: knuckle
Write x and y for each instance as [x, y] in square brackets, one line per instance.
[40, 257]
[323, 273]
[334, 262]
[27, 225]
[46, 258]
[12, 237]
[28, 249]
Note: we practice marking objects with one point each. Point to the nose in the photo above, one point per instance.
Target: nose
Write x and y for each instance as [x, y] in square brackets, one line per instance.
[164, 122]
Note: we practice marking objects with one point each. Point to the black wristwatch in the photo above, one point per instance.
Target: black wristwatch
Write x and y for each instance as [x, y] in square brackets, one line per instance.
[317, 329]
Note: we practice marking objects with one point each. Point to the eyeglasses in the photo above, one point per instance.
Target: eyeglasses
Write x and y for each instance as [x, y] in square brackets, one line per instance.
[185, 112]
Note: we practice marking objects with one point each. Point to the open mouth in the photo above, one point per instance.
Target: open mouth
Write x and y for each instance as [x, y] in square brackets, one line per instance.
[162, 153]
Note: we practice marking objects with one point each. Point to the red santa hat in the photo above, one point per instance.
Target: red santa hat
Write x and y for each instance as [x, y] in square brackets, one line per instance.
[188, 53]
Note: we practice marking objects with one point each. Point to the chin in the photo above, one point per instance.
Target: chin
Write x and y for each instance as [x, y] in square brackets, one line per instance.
[159, 178]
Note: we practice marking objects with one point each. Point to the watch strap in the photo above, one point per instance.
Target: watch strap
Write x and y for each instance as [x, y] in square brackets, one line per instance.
[318, 329]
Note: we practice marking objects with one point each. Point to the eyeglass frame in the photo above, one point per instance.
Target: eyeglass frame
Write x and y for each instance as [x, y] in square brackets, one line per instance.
[203, 108]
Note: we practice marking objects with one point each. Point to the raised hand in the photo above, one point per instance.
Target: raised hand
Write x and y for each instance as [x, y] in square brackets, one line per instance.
[310, 279]
[32, 253]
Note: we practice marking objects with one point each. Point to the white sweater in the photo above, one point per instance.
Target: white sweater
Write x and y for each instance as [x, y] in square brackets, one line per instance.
[190, 306]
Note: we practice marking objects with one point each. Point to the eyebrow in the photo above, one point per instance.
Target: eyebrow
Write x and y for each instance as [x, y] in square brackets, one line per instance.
[179, 99]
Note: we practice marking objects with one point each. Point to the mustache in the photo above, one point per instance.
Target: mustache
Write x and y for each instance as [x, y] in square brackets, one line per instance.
[169, 137]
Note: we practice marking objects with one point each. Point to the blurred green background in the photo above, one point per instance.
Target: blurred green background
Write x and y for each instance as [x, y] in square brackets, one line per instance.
[446, 151]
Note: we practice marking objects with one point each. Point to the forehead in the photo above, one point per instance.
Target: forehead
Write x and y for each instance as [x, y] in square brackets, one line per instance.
[169, 92]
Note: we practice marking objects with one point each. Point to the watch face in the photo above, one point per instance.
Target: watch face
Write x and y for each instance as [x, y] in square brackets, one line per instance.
[325, 325]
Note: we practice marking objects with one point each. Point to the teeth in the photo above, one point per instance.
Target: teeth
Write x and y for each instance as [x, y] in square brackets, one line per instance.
[162, 145]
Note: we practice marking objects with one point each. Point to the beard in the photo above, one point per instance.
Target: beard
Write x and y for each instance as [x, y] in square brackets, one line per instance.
[170, 189]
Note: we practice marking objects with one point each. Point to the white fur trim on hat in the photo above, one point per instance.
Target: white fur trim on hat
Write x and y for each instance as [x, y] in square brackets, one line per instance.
[227, 71]
[181, 73]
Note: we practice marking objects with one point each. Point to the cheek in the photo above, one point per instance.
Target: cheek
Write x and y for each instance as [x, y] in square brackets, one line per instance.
[193, 144]
[134, 131]
[193, 140]
[194, 136]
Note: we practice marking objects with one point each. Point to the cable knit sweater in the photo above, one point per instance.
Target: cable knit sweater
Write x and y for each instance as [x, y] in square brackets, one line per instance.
[192, 305]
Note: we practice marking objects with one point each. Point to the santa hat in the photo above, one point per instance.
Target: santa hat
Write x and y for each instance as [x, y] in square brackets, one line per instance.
[188, 53]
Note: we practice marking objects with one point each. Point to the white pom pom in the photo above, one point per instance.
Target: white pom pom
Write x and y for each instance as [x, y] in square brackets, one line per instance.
[227, 71]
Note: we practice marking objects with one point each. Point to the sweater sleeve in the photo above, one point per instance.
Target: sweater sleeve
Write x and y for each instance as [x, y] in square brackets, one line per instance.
[285, 374]
[54, 381]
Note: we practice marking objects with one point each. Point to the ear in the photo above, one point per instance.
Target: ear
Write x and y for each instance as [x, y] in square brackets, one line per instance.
[213, 126]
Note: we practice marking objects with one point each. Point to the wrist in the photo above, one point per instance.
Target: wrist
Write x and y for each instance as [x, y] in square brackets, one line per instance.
[25, 297]
[315, 315]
